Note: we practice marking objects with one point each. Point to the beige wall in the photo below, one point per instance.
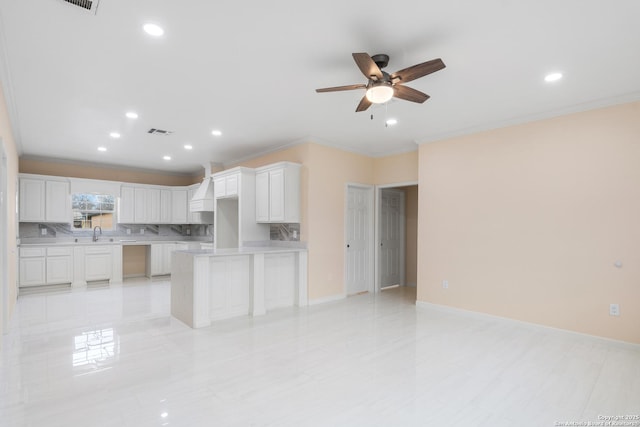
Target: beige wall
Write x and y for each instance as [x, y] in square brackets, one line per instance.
[526, 222]
[411, 234]
[76, 170]
[6, 136]
[396, 169]
[134, 260]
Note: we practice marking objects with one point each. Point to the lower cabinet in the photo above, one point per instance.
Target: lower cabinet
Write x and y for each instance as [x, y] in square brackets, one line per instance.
[230, 283]
[98, 262]
[279, 280]
[45, 266]
[161, 258]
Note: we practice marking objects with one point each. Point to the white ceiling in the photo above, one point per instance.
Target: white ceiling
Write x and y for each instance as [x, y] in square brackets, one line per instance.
[250, 70]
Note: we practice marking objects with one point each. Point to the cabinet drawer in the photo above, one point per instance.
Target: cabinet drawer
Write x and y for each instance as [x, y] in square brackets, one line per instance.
[32, 252]
[97, 249]
[59, 251]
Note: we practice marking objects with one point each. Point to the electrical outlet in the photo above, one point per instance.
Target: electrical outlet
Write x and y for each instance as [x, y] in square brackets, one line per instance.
[614, 310]
[445, 284]
[128, 231]
[142, 231]
[43, 231]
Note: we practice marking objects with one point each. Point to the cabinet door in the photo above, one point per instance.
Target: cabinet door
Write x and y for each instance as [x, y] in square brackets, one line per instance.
[153, 205]
[179, 206]
[32, 271]
[276, 195]
[59, 269]
[165, 206]
[97, 266]
[57, 202]
[219, 187]
[279, 280]
[262, 197]
[140, 210]
[231, 184]
[126, 205]
[32, 199]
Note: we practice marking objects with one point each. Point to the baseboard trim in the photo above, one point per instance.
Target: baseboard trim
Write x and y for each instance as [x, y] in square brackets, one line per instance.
[324, 300]
[485, 316]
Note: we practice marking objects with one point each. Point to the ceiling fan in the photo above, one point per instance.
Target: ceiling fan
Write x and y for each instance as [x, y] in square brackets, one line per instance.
[383, 86]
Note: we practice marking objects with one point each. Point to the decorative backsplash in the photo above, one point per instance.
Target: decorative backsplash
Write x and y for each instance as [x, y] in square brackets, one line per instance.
[28, 231]
[285, 232]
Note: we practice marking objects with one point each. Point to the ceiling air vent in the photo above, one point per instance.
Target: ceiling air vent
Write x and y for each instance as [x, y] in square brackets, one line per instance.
[88, 5]
[159, 131]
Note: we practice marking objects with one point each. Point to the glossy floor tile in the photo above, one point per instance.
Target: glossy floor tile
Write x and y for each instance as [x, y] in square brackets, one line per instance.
[115, 357]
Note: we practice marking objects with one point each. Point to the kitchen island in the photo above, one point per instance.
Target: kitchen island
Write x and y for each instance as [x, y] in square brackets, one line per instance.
[209, 285]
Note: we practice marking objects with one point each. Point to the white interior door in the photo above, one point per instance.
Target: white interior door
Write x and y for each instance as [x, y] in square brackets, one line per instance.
[358, 233]
[392, 229]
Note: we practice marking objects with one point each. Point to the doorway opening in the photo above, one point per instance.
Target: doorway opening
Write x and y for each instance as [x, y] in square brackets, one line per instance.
[396, 236]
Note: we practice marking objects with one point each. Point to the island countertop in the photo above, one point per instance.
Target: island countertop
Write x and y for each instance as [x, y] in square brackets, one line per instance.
[247, 250]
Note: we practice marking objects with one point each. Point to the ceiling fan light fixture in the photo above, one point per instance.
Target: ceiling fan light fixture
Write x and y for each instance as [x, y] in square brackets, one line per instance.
[380, 92]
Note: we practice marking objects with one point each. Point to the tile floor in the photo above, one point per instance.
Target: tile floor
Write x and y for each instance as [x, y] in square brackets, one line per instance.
[114, 357]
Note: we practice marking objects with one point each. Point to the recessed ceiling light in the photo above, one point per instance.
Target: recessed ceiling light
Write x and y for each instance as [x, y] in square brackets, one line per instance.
[132, 115]
[153, 30]
[553, 77]
[188, 146]
[391, 122]
[102, 148]
[114, 135]
[216, 132]
[167, 157]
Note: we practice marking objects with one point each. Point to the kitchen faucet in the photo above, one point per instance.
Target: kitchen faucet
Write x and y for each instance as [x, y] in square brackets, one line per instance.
[95, 237]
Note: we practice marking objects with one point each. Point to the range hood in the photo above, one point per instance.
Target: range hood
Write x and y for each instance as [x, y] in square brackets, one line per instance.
[203, 199]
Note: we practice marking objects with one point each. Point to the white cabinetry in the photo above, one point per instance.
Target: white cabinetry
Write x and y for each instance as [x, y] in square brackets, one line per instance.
[126, 206]
[98, 262]
[226, 184]
[46, 266]
[236, 209]
[197, 217]
[230, 283]
[165, 206]
[44, 200]
[152, 205]
[59, 265]
[33, 266]
[160, 258]
[179, 206]
[140, 200]
[278, 193]
[279, 280]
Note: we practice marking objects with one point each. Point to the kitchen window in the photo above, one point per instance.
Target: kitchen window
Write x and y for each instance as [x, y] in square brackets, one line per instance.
[91, 210]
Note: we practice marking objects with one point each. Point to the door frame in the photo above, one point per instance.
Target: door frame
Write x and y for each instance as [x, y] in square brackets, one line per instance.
[370, 234]
[378, 201]
[4, 242]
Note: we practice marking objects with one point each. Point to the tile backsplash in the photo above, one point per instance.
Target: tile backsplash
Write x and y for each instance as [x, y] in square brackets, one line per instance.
[285, 232]
[31, 231]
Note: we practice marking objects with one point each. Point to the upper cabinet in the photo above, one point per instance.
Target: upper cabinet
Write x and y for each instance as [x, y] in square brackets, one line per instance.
[44, 200]
[226, 184]
[235, 218]
[278, 193]
[140, 204]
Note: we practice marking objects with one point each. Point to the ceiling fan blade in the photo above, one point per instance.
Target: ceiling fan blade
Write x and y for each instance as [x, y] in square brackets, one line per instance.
[367, 66]
[409, 94]
[339, 88]
[417, 71]
[364, 104]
